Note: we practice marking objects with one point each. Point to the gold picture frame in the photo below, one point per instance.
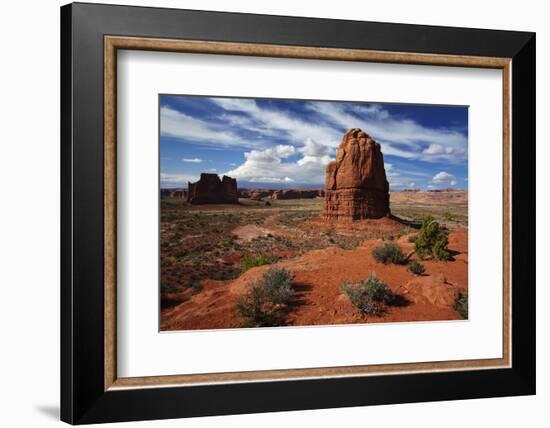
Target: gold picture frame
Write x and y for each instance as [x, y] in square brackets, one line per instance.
[114, 43]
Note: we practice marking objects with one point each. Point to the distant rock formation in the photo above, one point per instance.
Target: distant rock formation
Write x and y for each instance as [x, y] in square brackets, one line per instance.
[356, 184]
[179, 193]
[259, 194]
[211, 190]
[448, 189]
[173, 193]
[295, 194]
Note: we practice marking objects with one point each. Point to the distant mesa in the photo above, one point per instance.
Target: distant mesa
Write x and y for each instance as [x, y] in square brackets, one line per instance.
[356, 184]
[281, 194]
[448, 189]
[295, 194]
[211, 190]
[255, 194]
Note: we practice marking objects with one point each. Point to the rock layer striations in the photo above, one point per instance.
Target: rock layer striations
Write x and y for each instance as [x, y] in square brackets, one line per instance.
[356, 184]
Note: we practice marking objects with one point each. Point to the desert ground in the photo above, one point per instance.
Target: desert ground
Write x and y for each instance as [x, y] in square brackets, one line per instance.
[211, 254]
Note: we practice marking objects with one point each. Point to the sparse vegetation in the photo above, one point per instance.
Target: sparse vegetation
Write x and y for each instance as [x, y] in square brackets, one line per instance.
[389, 253]
[170, 288]
[263, 304]
[432, 241]
[205, 244]
[461, 304]
[416, 267]
[249, 261]
[369, 296]
[295, 218]
[448, 216]
[414, 206]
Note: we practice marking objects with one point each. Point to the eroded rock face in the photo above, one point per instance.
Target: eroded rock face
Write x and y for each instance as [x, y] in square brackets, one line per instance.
[356, 184]
[211, 190]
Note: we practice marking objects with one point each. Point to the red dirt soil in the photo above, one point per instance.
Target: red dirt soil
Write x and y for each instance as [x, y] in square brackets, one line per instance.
[318, 276]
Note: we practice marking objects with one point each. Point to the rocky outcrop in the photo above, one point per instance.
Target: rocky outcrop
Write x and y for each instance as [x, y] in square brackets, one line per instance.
[356, 184]
[434, 290]
[211, 190]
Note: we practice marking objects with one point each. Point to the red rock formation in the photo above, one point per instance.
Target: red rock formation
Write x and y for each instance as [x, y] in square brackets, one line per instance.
[356, 184]
[211, 190]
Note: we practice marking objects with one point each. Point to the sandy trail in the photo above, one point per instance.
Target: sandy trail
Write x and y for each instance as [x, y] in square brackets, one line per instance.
[248, 232]
[270, 226]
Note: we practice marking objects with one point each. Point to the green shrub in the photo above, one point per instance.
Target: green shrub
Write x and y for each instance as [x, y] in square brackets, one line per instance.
[249, 261]
[412, 239]
[169, 287]
[389, 253]
[416, 268]
[461, 304]
[369, 296]
[431, 241]
[262, 305]
[448, 216]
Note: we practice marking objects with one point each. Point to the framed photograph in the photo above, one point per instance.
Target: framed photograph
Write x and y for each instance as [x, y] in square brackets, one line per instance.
[266, 213]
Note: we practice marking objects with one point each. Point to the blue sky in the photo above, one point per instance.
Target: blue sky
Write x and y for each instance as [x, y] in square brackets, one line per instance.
[274, 143]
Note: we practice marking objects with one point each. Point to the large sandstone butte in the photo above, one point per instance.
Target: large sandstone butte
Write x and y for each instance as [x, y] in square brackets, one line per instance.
[211, 190]
[356, 184]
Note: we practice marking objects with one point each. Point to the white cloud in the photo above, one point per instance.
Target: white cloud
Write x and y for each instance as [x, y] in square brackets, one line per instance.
[271, 180]
[312, 148]
[398, 136]
[270, 155]
[279, 123]
[193, 160]
[179, 125]
[311, 144]
[272, 165]
[437, 149]
[443, 178]
[176, 179]
[315, 153]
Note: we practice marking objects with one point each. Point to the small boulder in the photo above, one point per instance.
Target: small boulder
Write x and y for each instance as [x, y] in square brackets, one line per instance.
[431, 289]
